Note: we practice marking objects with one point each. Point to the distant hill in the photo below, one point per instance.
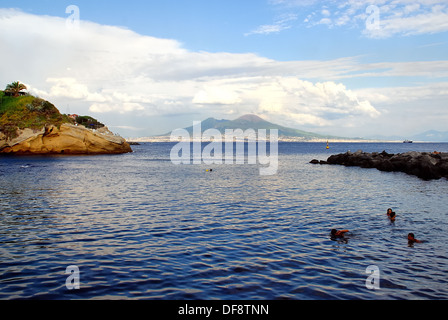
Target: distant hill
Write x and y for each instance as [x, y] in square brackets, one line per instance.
[251, 121]
[432, 136]
[427, 136]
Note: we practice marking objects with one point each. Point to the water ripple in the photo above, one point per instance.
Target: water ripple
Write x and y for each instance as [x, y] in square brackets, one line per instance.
[140, 228]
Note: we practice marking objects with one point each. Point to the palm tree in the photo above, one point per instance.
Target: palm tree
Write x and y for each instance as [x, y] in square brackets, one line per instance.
[15, 88]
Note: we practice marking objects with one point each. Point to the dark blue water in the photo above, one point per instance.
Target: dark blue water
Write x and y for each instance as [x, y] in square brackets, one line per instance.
[139, 227]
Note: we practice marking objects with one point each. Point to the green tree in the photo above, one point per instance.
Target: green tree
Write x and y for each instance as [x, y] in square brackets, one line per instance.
[15, 88]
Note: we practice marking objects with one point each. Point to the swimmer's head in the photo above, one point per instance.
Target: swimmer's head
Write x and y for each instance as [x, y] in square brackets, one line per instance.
[389, 210]
[333, 232]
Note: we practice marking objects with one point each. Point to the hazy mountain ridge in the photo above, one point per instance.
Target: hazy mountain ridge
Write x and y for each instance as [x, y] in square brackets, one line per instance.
[250, 121]
[432, 136]
[427, 136]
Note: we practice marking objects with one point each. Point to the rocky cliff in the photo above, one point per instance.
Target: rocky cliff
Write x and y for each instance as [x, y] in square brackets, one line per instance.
[424, 165]
[65, 139]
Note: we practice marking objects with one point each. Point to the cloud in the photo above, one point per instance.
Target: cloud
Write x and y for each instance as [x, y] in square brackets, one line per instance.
[293, 3]
[121, 108]
[402, 95]
[394, 17]
[409, 20]
[281, 23]
[72, 89]
[326, 12]
[412, 109]
[112, 71]
[217, 94]
[145, 74]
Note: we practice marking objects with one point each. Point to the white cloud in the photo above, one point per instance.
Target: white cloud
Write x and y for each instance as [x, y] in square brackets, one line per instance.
[120, 108]
[68, 88]
[399, 95]
[396, 17]
[411, 21]
[409, 110]
[267, 29]
[325, 21]
[326, 12]
[217, 94]
[281, 23]
[114, 71]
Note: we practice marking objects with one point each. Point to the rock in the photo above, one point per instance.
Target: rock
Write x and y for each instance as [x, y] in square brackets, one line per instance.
[424, 165]
[68, 139]
[315, 161]
[385, 165]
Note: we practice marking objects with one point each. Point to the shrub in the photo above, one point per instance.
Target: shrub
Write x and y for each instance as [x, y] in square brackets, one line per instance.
[28, 112]
[89, 122]
[41, 105]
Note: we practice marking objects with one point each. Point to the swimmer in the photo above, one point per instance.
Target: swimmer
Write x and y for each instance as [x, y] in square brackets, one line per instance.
[338, 233]
[391, 214]
[392, 217]
[412, 240]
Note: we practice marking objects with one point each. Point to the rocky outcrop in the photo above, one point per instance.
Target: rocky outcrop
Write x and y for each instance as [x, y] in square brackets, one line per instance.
[424, 165]
[67, 139]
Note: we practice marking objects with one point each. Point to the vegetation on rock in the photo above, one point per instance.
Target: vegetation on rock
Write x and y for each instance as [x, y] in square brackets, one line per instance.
[89, 122]
[18, 112]
[15, 88]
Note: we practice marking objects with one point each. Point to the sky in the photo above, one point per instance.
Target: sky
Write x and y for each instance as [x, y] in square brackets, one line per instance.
[347, 68]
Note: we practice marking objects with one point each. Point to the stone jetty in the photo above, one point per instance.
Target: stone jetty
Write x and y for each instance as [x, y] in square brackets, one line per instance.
[425, 165]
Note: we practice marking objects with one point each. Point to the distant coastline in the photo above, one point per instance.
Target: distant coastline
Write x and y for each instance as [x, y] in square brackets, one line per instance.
[165, 139]
[251, 121]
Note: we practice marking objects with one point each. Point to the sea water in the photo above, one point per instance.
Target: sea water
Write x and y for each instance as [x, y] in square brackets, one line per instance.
[136, 226]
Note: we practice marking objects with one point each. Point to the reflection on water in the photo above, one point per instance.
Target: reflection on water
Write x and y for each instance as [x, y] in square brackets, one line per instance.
[139, 227]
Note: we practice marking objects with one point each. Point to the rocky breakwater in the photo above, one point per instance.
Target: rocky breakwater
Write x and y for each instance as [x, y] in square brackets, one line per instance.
[65, 139]
[425, 165]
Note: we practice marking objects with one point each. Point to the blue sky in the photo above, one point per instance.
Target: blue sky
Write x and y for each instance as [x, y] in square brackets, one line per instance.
[148, 67]
[224, 26]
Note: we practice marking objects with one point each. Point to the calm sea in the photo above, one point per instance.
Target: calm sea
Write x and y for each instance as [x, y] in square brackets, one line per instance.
[138, 227]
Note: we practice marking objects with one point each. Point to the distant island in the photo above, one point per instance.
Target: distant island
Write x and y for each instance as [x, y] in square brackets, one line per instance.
[251, 121]
[31, 125]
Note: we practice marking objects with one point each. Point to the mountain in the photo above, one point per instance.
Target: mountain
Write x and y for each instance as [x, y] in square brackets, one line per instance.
[251, 121]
